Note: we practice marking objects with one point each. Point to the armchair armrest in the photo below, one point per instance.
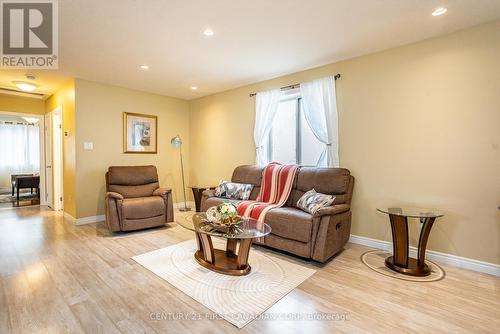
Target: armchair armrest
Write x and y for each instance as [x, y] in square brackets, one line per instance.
[332, 210]
[113, 203]
[208, 193]
[166, 194]
[162, 192]
[112, 194]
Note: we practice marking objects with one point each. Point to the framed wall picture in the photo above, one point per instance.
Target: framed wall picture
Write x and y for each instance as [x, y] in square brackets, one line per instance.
[139, 133]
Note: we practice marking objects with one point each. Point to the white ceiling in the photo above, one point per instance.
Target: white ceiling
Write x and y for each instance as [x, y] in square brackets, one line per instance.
[106, 41]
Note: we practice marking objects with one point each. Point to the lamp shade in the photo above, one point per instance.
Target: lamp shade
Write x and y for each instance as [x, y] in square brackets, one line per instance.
[176, 141]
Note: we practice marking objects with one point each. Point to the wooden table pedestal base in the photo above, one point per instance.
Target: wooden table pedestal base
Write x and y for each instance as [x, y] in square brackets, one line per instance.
[229, 261]
[400, 261]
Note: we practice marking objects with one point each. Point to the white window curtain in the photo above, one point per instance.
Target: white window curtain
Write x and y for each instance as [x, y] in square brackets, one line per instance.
[266, 107]
[319, 105]
[19, 151]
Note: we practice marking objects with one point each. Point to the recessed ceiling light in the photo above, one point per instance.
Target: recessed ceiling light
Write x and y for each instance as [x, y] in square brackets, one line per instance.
[208, 32]
[194, 87]
[145, 67]
[25, 86]
[439, 11]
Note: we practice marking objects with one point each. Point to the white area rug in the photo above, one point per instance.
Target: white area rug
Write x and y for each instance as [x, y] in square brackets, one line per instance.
[237, 299]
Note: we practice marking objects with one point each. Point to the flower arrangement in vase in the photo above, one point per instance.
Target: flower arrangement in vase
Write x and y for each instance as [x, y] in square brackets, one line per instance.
[225, 214]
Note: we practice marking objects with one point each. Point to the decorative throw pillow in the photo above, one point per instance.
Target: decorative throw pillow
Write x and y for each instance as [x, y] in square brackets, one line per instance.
[312, 201]
[233, 190]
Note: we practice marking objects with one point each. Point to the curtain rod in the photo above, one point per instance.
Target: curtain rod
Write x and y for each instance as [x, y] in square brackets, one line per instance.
[336, 76]
[16, 123]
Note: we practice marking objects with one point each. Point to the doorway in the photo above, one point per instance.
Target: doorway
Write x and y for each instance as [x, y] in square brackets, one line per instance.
[21, 156]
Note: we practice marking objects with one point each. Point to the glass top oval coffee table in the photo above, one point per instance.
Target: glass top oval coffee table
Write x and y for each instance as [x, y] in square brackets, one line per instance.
[233, 260]
[400, 260]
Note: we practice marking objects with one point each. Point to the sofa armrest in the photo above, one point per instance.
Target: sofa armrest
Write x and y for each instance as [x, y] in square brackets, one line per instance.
[113, 195]
[332, 210]
[333, 232]
[162, 192]
[208, 193]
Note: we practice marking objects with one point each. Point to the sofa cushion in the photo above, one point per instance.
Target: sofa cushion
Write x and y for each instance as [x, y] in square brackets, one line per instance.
[132, 175]
[247, 174]
[331, 181]
[250, 175]
[143, 207]
[143, 190]
[290, 223]
[132, 181]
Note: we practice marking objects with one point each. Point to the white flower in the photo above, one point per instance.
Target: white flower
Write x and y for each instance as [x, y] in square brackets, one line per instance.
[227, 208]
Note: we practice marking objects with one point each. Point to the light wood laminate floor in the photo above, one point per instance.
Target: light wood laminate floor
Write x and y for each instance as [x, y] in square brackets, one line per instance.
[56, 277]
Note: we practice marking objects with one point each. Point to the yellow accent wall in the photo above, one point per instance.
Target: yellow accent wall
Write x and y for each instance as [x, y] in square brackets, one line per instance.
[419, 125]
[19, 104]
[99, 119]
[65, 98]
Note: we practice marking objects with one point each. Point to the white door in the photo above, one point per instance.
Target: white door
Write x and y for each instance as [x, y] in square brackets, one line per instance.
[48, 161]
[57, 165]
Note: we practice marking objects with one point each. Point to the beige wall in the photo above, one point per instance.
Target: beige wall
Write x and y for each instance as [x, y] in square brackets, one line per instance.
[419, 125]
[65, 98]
[21, 104]
[99, 119]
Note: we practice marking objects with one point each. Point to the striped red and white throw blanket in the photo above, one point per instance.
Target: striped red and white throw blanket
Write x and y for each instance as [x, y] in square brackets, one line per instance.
[276, 185]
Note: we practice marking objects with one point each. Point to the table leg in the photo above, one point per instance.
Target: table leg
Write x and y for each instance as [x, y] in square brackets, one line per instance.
[197, 198]
[198, 243]
[399, 226]
[243, 252]
[231, 247]
[422, 241]
[18, 194]
[207, 247]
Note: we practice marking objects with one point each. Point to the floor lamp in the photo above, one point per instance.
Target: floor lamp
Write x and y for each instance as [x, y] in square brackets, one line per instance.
[177, 142]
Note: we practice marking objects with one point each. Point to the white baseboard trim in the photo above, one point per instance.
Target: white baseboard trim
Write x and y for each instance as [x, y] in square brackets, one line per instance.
[179, 205]
[90, 220]
[84, 220]
[444, 258]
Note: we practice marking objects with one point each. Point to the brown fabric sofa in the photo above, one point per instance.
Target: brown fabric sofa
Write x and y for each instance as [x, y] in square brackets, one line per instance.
[134, 199]
[317, 237]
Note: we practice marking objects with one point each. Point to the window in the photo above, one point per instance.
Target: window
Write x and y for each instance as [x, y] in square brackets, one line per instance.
[291, 140]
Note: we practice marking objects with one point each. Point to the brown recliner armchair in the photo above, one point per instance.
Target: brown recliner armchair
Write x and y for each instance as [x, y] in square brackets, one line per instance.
[134, 199]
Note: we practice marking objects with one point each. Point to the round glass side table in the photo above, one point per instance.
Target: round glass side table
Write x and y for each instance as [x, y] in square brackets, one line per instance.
[400, 261]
